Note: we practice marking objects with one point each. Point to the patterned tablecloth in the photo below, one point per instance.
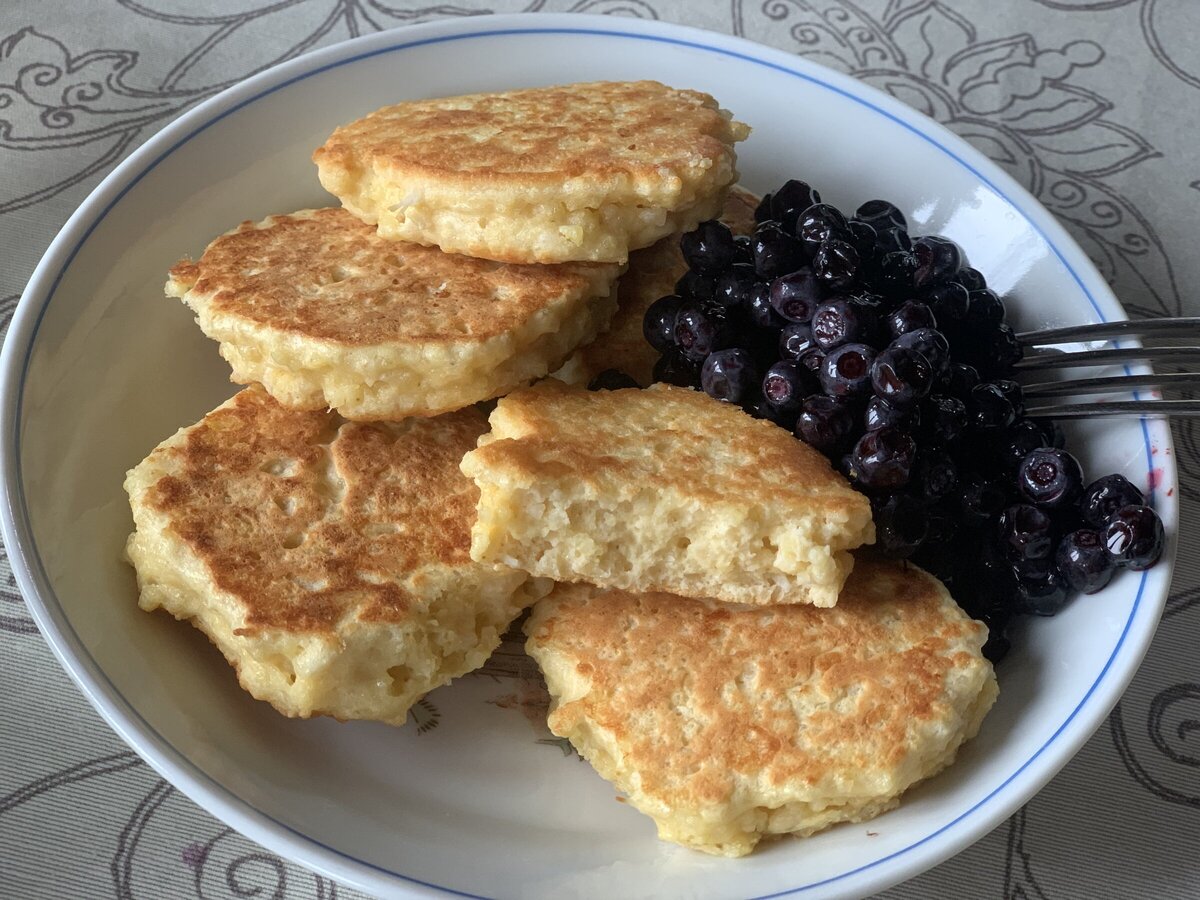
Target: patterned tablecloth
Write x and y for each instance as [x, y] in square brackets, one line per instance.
[1089, 103]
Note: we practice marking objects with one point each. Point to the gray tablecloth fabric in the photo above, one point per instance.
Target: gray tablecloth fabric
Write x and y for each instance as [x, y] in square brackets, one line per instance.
[1090, 103]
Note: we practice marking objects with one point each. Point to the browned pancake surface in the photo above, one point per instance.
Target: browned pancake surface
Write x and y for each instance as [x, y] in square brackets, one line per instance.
[701, 696]
[664, 437]
[326, 275]
[603, 130]
[305, 518]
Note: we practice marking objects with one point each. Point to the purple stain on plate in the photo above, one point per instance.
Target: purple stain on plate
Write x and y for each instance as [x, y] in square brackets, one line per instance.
[194, 854]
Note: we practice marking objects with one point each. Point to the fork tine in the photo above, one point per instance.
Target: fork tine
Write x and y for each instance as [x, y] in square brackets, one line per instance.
[1179, 327]
[1117, 408]
[1172, 381]
[1100, 357]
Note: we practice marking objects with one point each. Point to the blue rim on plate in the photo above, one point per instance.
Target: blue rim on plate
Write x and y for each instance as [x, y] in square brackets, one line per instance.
[17, 528]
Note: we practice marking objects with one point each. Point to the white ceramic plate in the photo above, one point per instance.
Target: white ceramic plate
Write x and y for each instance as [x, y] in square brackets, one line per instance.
[99, 367]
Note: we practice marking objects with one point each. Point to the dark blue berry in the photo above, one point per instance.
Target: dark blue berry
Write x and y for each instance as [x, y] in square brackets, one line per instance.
[971, 279]
[734, 285]
[699, 333]
[901, 525]
[996, 647]
[1049, 478]
[694, 286]
[786, 384]
[846, 370]
[877, 304]
[674, 368]
[938, 260]
[839, 321]
[1041, 588]
[943, 521]
[880, 413]
[862, 237]
[1084, 561]
[960, 379]
[985, 311]
[1019, 441]
[776, 252]
[794, 339]
[987, 570]
[743, 252]
[1105, 496]
[981, 499]
[812, 359]
[1004, 350]
[896, 272]
[763, 344]
[870, 308]
[818, 223]
[881, 214]
[761, 409]
[658, 325]
[709, 248]
[990, 409]
[1012, 393]
[931, 344]
[759, 309]
[892, 240]
[936, 477]
[836, 264]
[882, 459]
[1134, 537]
[729, 375]
[612, 380]
[935, 558]
[909, 316]
[797, 295]
[825, 424]
[901, 376]
[943, 419]
[762, 212]
[949, 301]
[790, 200]
[1026, 532]
[1003, 607]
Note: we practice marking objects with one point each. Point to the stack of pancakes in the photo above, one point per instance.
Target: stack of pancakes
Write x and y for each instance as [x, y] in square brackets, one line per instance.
[350, 534]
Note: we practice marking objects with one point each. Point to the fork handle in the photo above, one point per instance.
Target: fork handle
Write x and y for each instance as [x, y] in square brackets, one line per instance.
[1185, 327]
[1050, 359]
[1112, 383]
[1145, 408]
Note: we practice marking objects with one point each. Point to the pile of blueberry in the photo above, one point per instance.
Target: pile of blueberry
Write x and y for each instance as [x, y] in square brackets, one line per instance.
[892, 356]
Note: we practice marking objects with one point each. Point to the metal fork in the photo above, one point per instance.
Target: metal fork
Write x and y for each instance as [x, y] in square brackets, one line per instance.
[1039, 357]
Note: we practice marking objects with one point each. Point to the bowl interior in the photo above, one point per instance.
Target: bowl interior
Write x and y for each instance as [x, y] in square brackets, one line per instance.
[114, 368]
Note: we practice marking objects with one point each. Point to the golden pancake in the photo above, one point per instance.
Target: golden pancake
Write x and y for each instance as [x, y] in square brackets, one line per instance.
[727, 725]
[664, 489]
[328, 560]
[328, 315]
[546, 175]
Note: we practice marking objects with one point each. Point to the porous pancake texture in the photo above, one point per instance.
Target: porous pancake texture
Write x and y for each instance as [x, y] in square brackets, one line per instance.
[327, 560]
[326, 314]
[575, 172]
[727, 725]
[664, 489]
